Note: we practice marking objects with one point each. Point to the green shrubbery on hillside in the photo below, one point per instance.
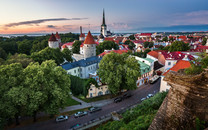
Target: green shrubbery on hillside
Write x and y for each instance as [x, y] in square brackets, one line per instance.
[138, 118]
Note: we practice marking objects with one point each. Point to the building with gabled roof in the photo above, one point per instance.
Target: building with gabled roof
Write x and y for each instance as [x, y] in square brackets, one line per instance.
[180, 65]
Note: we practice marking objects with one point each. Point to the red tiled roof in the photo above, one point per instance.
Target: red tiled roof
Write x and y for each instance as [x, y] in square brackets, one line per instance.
[52, 38]
[116, 51]
[89, 39]
[109, 39]
[145, 34]
[181, 64]
[57, 36]
[153, 54]
[64, 46]
[175, 55]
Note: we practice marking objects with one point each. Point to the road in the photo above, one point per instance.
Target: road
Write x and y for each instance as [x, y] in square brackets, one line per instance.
[139, 93]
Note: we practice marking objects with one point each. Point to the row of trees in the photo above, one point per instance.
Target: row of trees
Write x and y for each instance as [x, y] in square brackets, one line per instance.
[106, 45]
[28, 45]
[36, 88]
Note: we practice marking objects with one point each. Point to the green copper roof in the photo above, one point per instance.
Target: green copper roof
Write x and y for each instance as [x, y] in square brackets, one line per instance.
[144, 68]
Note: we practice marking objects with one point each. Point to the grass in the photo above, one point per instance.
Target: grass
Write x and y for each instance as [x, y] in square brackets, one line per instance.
[94, 99]
[71, 102]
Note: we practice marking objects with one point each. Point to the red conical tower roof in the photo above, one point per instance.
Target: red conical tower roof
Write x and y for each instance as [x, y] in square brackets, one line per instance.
[57, 36]
[52, 38]
[89, 39]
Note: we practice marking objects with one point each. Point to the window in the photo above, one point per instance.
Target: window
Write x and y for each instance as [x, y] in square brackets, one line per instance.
[169, 63]
[80, 75]
[90, 89]
[74, 71]
[80, 69]
[88, 68]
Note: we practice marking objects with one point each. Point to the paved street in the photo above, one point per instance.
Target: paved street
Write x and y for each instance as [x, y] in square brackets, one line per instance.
[107, 109]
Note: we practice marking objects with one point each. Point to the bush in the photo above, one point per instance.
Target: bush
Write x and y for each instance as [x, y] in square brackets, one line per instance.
[138, 118]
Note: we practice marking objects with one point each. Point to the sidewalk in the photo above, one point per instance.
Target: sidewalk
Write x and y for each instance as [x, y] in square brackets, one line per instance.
[85, 105]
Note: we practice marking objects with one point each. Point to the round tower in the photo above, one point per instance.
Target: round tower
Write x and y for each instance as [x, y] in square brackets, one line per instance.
[58, 38]
[52, 42]
[89, 47]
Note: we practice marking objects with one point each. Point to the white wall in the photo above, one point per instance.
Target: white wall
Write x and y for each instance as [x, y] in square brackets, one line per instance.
[172, 63]
[151, 57]
[164, 85]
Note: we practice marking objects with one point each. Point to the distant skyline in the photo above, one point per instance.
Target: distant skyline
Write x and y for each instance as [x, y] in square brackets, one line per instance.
[47, 16]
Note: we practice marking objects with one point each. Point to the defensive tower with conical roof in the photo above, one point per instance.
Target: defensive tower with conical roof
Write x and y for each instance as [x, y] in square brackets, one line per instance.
[53, 42]
[104, 26]
[89, 47]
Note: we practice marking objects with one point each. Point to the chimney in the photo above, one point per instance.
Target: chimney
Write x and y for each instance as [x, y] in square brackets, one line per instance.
[80, 29]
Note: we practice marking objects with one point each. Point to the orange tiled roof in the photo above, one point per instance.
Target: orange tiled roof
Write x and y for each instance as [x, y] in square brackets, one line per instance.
[89, 39]
[181, 64]
[153, 53]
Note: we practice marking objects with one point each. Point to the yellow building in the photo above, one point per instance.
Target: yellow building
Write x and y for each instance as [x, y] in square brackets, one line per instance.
[97, 91]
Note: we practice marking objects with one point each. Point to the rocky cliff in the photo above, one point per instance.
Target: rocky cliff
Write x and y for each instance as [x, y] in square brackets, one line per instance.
[186, 100]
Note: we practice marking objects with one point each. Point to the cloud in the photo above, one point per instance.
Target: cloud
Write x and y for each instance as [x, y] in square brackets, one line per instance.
[37, 22]
[51, 26]
[190, 18]
[119, 26]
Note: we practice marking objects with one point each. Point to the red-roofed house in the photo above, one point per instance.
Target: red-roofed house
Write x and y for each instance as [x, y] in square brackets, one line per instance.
[169, 59]
[180, 65]
[153, 55]
[116, 51]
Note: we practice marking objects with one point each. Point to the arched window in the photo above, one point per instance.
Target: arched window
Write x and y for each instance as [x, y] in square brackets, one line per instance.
[100, 93]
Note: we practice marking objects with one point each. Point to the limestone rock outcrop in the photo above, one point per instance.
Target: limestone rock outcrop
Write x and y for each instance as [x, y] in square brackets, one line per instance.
[187, 100]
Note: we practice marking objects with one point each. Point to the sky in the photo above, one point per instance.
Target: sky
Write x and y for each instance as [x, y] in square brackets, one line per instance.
[47, 16]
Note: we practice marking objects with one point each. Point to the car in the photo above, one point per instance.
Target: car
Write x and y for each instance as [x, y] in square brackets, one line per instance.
[61, 118]
[118, 99]
[94, 109]
[75, 126]
[143, 99]
[80, 113]
[127, 95]
[150, 95]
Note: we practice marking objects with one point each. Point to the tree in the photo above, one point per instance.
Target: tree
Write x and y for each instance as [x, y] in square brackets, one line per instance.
[146, 44]
[24, 47]
[48, 54]
[39, 45]
[151, 44]
[3, 54]
[179, 46]
[132, 37]
[204, 41]
[106, 45]
[9, 47]
[76, 47]
[130, 44]
[12, 97]
[160, 47]
[165, 39]
[48, 87]
[67, 54]
[119, 72]
[19, 58]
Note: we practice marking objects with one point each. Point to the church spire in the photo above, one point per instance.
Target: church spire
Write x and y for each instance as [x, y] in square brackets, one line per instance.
[103, 18]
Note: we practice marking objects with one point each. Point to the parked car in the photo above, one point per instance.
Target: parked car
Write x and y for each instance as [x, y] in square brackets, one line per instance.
[143, 99]
[80, 113]
[150, 95]
[127, 95]
[118, 99]
[75, 126]
[154, 79]
[94, 109]
[61, 118]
